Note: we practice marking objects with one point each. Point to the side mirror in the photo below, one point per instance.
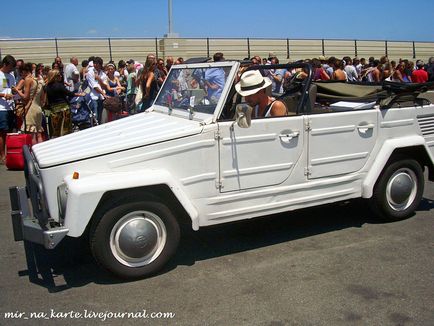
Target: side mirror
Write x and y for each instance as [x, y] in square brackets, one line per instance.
[243, 115]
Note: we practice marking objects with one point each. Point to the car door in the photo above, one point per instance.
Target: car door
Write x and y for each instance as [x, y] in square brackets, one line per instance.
[340, 142]
[262, 155]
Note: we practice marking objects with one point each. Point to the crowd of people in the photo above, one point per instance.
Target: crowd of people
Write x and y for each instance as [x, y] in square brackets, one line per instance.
[37, 99]
[373, 70]
[351, 70]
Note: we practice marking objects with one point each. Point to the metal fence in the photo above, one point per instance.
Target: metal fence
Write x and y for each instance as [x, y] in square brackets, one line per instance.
[45, 50]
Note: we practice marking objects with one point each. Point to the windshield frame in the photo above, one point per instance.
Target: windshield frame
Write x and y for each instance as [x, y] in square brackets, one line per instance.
[200, 116]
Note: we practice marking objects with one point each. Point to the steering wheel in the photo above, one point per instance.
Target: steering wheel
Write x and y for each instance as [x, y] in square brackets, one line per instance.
[293, 84]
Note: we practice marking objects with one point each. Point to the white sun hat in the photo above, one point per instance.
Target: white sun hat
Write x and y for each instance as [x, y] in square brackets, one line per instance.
[251, 82]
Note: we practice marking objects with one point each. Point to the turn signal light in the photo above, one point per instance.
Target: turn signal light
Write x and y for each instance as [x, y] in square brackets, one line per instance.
[75, 175]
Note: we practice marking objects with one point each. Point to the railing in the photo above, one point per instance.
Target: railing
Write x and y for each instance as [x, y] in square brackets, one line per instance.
[45, 50]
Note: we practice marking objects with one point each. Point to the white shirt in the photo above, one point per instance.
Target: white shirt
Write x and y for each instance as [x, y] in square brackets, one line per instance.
[351, 73]
[6, 83]
[93, 83]
[68, 72]
[359, 69]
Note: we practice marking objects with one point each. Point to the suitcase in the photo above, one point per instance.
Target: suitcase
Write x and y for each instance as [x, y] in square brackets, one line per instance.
[14, 150]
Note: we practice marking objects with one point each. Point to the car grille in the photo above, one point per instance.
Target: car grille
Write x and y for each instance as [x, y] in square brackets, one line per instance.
[35, 188]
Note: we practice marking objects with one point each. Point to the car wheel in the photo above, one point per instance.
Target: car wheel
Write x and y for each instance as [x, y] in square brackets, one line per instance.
[399, 190]
[136, 239]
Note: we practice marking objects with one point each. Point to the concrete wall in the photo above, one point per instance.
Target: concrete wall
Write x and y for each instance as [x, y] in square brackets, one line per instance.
[45, 50]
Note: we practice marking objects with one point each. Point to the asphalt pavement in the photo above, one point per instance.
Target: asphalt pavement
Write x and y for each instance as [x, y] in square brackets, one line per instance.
[329, 265]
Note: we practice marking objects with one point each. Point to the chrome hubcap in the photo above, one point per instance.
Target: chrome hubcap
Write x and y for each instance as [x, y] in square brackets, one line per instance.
[138, 238]
[401, 189]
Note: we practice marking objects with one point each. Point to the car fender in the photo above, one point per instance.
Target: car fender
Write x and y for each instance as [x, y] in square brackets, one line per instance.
[85, 193]
[383, 156]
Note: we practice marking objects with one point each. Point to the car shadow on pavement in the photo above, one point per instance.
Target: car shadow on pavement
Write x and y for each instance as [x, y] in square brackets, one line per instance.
[69, 265]
[426, 204]
[217, 241]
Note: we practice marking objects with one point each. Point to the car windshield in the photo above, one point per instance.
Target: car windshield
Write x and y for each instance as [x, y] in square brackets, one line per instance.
[193, 89]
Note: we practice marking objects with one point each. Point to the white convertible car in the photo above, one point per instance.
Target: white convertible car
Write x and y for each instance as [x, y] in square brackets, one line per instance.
[200, 160]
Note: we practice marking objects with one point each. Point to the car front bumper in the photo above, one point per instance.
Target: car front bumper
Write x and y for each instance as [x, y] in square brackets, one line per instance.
[30, 218]
[27, 227]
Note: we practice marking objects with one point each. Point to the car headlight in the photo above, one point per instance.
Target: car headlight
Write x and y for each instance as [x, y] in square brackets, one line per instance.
[62, 198]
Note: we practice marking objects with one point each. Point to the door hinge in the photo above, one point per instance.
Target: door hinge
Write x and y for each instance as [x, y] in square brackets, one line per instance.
[217, 135]
[307, 171]
[308, 127]
[219, 184]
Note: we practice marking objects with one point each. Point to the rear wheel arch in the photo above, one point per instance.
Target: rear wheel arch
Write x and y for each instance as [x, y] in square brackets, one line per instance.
[418, 153]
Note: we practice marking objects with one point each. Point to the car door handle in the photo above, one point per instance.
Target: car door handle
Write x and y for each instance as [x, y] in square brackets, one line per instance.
[365, 127]
[286, 138]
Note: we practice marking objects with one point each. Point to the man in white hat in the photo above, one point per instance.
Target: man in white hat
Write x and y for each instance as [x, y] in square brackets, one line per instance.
[252, 86]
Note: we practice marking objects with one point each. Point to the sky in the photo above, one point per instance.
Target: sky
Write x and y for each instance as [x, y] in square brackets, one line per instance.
[393, 20]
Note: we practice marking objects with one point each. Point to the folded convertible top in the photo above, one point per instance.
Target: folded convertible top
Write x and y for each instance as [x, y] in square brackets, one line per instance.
[342, 91]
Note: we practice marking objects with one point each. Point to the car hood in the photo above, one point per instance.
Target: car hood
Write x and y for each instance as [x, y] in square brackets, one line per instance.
[131, 132]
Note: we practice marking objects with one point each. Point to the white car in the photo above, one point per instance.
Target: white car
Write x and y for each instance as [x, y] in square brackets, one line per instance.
[201, 160]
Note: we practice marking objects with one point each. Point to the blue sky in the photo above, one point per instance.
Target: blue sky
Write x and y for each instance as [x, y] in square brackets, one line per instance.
[363, 20]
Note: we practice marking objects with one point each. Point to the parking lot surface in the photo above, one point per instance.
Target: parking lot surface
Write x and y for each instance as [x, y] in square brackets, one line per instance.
[330, 265]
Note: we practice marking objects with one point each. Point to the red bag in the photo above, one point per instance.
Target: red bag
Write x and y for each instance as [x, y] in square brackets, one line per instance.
[111, 116]
[122, 114]
[14, 150]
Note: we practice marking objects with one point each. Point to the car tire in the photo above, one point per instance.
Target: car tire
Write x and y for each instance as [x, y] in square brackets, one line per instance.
[135, 239]
[398, 190]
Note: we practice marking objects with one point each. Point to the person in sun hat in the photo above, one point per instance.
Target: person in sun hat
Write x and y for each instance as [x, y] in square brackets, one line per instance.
[252, 86]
